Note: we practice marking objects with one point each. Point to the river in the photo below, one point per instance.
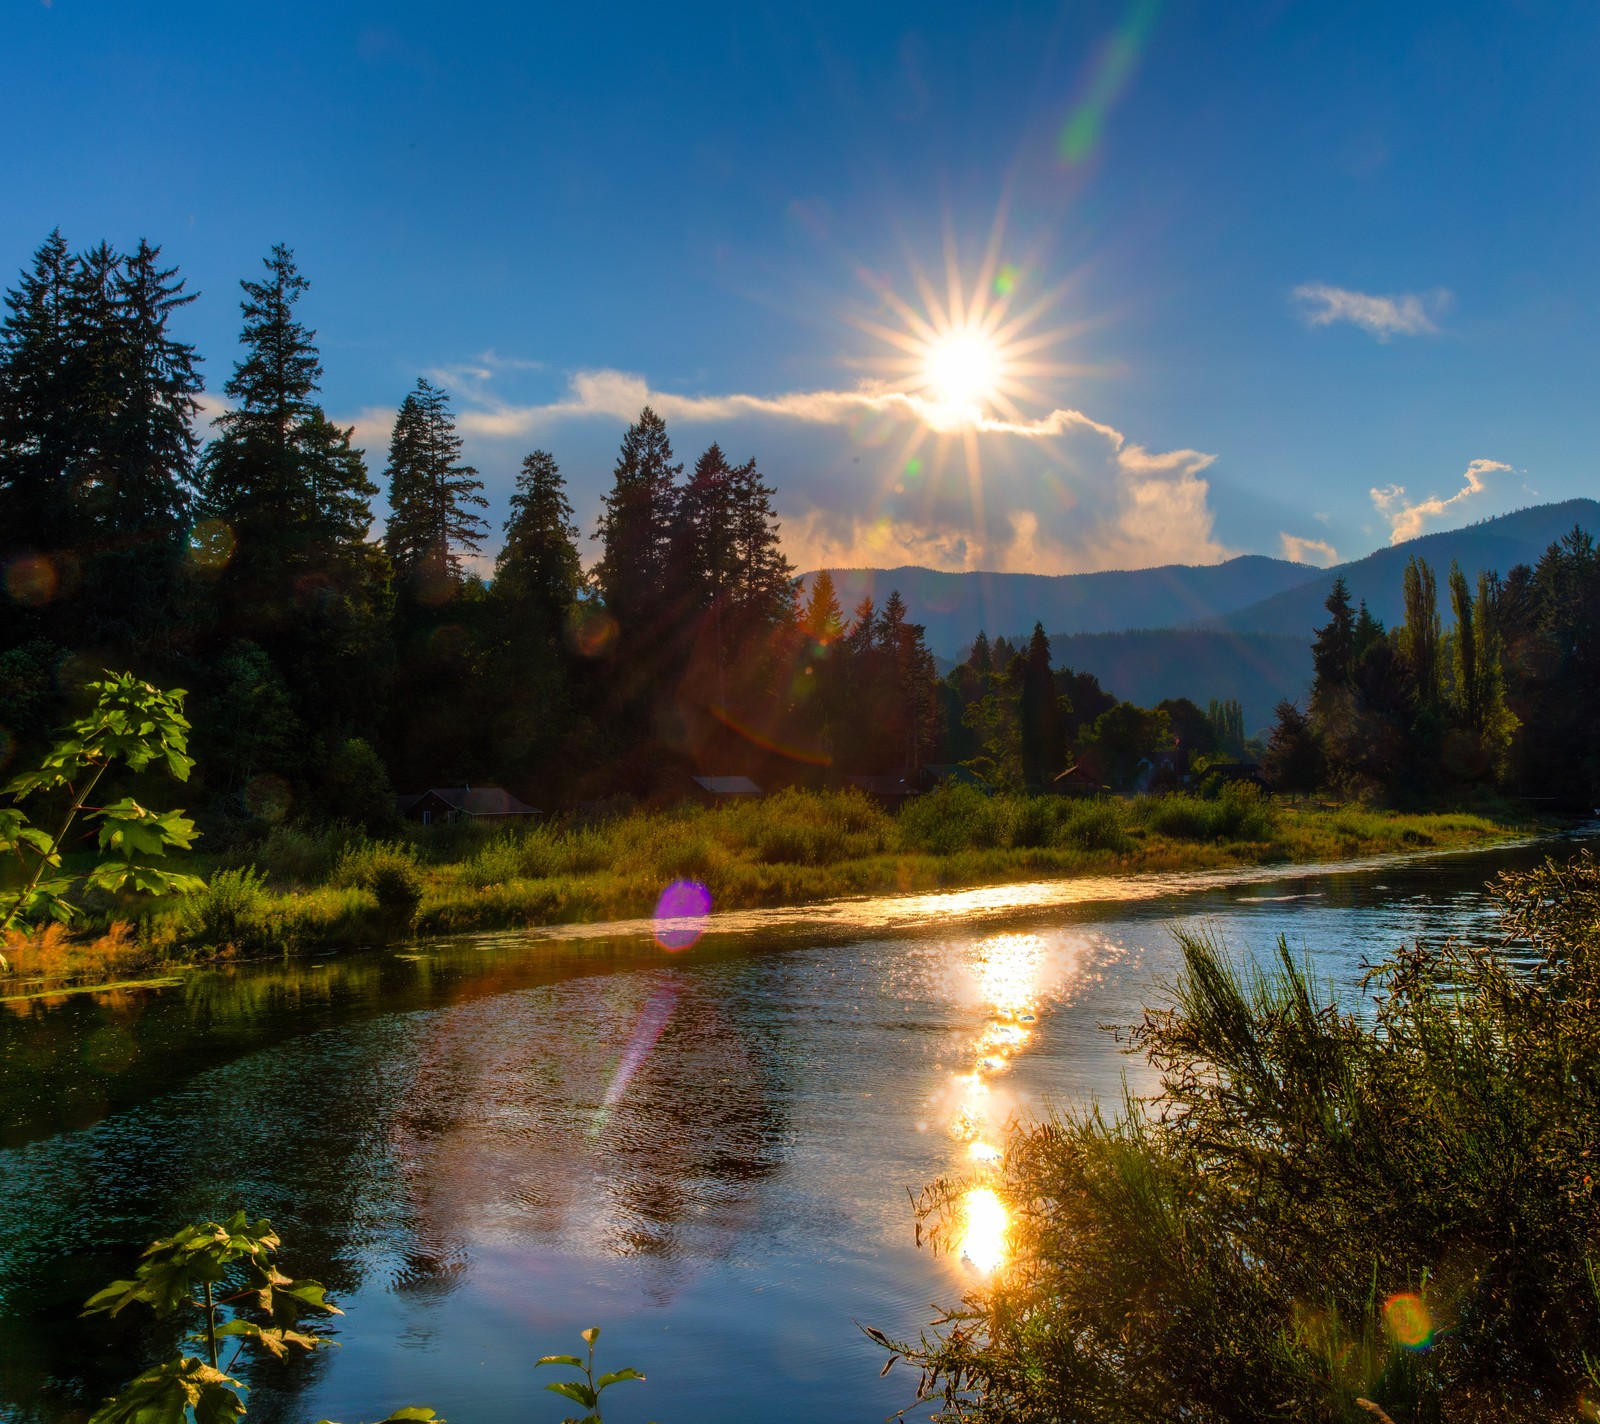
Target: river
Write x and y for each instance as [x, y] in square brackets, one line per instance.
[484, 1145]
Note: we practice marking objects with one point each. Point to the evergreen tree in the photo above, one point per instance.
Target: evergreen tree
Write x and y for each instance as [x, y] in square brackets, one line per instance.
[764, 586]
[432, 495]
[635, 527]
[1333, 652]
[1040, 726]
[703, 553]
[290, 496]
[37, 417]
[823, 619]
[284, 478]
[981, 658]
[538, 569]
[1293, 759]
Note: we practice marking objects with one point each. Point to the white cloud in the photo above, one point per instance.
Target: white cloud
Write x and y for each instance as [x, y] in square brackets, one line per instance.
[881, 477]
[371, 428]
[1406, 519]
[208, 406]
[1309, 551]
[1408, 314]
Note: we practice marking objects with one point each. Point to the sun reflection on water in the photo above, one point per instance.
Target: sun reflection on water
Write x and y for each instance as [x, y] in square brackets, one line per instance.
[1007, 972]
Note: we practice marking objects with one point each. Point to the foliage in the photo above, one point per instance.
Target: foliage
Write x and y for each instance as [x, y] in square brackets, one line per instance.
[225, 1272]
[229, 911]
[588, 1393]
[389, 870]
[432, 496]
[132, 724]
[1323, 1211]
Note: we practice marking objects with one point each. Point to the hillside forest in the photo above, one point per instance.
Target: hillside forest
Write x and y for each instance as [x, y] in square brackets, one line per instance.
[329, 662]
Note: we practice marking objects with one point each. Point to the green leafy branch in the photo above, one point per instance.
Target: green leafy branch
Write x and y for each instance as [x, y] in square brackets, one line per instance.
[588, 1392]
[224, 1270]
[132, 723]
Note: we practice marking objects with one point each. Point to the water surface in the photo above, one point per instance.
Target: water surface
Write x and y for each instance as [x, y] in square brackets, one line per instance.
[487, 1144]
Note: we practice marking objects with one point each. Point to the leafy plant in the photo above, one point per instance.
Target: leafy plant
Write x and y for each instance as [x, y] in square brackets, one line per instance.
[1325, 1212]
[589, 1391]
[226, 1272]
[132, 723]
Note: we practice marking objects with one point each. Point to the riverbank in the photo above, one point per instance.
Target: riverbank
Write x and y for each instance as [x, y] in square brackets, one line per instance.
[318, 889]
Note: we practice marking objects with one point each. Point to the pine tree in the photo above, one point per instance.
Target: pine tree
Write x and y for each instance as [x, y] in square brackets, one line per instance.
[703, 557]
[764, 587]
[1333, 652]
[36, 406]
[432, 495]
[538, 569]
[282, 486]
[635, 528]
[981, 659]
[284, 478]
[1040, 727]
[822, 620]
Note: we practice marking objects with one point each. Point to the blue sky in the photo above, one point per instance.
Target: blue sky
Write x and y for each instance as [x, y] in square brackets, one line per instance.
[1297, 253]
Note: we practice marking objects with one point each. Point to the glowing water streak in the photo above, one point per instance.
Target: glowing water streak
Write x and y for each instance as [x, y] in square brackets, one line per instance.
[646, 1034]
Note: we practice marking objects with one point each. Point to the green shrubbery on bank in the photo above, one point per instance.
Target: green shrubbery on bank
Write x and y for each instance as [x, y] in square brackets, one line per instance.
[1326, 1213]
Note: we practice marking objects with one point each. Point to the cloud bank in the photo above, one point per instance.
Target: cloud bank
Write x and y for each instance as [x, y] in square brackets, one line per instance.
[1408, 314]
[1406, 519]
[1309, 551]
[877, 476]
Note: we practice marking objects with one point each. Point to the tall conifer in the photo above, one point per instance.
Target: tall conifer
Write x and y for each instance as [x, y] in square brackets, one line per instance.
[433, 497]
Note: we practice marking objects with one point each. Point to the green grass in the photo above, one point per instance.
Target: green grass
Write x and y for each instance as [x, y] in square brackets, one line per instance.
[328, 887]
[1326, 1212]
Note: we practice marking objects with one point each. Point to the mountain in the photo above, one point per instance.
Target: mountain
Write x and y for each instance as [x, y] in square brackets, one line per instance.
[953, 607]
[1498, 543]
[1148, 665]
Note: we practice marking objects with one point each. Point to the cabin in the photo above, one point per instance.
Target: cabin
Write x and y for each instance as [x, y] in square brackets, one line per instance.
[953, 774]
[717, 790]
[1075, 781]
[892, 791]
[445, 805]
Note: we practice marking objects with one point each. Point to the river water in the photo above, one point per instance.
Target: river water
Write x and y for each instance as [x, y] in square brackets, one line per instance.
[483, 1146]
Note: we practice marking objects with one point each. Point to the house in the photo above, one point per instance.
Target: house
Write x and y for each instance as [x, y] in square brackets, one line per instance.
[447, 804]
[953, 774]
[714, 790]
[1074, 781]
[890, 791]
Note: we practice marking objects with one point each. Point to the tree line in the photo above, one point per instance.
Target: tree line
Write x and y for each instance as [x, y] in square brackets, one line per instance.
[1508, 696]
[327, 662]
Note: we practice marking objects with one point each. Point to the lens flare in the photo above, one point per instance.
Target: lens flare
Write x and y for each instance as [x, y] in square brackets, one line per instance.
[1409, 1321]
[31, 580]
[983, 1229]
[681, 914]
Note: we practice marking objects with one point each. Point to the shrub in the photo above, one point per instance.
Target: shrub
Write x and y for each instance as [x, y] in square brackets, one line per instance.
[948, 819]
[229, 911]
[1098, 824]
[389, 871]
[1325, 1213]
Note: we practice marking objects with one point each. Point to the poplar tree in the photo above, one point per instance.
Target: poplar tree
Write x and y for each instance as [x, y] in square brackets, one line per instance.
[1420, 636]
[433, 497]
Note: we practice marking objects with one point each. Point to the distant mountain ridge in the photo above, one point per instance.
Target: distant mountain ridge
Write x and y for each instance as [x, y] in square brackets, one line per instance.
[953, 607]
[1498, 544]
[1238, 629]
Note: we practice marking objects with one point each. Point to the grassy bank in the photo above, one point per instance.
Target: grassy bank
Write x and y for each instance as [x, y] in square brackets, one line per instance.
[318, 888]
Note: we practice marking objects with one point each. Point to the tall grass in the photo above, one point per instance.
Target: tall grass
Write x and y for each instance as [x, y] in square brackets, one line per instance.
[1326, 1213]
[331, 885]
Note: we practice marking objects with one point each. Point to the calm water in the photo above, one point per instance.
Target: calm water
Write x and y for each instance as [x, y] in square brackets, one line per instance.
[485, 1146]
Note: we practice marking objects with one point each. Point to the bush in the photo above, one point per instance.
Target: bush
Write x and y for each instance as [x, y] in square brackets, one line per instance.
[389, 871]
[1237, 814]
[948, 819]
[1098, 824]
[229, 911]
[1323, 1208]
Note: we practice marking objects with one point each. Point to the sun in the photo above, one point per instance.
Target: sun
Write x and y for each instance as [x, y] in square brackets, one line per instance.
[967, 355]
[964, 370]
